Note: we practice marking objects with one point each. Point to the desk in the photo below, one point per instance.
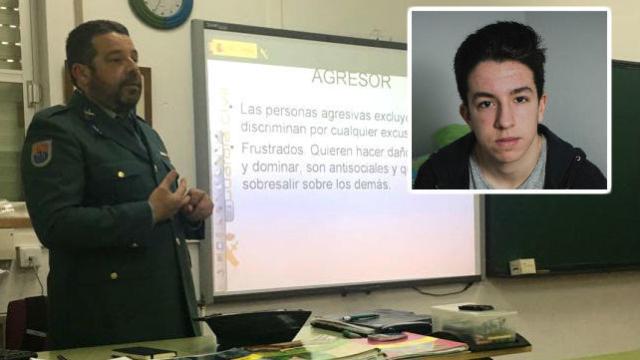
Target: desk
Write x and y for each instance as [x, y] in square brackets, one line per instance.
[207, 344]
[184, 347]
[629, 355]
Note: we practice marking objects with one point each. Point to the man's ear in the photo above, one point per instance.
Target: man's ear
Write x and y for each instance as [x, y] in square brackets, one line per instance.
[82, 74]
[464, 113]
[542, 106]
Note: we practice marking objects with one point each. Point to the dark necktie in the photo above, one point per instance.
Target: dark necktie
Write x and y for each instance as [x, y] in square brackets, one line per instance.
[129, 122]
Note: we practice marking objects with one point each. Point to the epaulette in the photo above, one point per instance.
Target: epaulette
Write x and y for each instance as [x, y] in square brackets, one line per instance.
[139, 118]
[51, 111]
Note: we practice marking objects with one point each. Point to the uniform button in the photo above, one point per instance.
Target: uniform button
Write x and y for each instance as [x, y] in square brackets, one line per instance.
[578, 158]
[178, 241]
[120, 174]
[134, 245]
[114, 276]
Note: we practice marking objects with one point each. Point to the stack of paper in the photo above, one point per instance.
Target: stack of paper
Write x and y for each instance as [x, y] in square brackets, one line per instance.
[326, 347]
[416, 346]
[331, 347]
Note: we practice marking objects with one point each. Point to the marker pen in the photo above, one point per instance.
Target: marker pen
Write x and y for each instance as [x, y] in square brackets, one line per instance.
[362, 316]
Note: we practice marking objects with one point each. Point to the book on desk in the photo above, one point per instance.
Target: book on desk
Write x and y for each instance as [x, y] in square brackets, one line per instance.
[376, 321]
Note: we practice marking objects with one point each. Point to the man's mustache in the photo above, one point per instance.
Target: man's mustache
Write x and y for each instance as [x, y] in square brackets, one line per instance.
[133, 78]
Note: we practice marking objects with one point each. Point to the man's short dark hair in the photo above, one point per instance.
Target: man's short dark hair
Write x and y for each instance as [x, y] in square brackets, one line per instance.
[501, 41]
[79, 43]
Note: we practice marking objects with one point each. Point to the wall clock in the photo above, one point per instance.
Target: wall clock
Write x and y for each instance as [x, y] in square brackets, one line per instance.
[162, 14]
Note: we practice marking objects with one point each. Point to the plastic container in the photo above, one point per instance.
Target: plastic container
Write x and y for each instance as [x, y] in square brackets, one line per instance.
[477, 327]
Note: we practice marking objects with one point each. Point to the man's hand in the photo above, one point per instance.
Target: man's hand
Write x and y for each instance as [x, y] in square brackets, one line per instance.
[199, 207]
[164, 203]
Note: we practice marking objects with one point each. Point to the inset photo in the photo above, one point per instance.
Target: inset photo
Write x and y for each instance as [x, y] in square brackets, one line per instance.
[510, 99]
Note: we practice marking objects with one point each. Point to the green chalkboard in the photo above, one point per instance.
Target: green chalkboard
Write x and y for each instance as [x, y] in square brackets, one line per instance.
[578, 233]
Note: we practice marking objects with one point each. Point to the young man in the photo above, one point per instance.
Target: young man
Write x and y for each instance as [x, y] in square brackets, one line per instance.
[103, 198]
[500, 77]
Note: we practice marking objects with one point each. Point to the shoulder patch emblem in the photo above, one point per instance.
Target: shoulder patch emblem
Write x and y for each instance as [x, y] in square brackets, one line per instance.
[41, 153]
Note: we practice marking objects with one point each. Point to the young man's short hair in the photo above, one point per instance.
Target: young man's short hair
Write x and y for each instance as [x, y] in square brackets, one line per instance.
[79, 42]
[501, 41]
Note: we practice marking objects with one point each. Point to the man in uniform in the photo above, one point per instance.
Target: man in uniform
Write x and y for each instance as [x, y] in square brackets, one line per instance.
[500, 76]
[103, 198]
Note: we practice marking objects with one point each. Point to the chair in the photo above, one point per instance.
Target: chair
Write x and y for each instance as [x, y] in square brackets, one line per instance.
[26, 325]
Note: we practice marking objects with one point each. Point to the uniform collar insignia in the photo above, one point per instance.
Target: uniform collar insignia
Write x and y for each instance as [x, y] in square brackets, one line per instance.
[88, 113]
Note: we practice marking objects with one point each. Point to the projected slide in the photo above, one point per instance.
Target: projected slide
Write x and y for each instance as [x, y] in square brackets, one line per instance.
[309, 154]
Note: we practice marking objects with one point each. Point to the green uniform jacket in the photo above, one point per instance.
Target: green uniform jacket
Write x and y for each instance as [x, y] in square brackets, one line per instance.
[114, 277]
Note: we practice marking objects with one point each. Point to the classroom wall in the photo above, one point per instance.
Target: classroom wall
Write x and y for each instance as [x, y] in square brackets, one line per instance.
[563, 316]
